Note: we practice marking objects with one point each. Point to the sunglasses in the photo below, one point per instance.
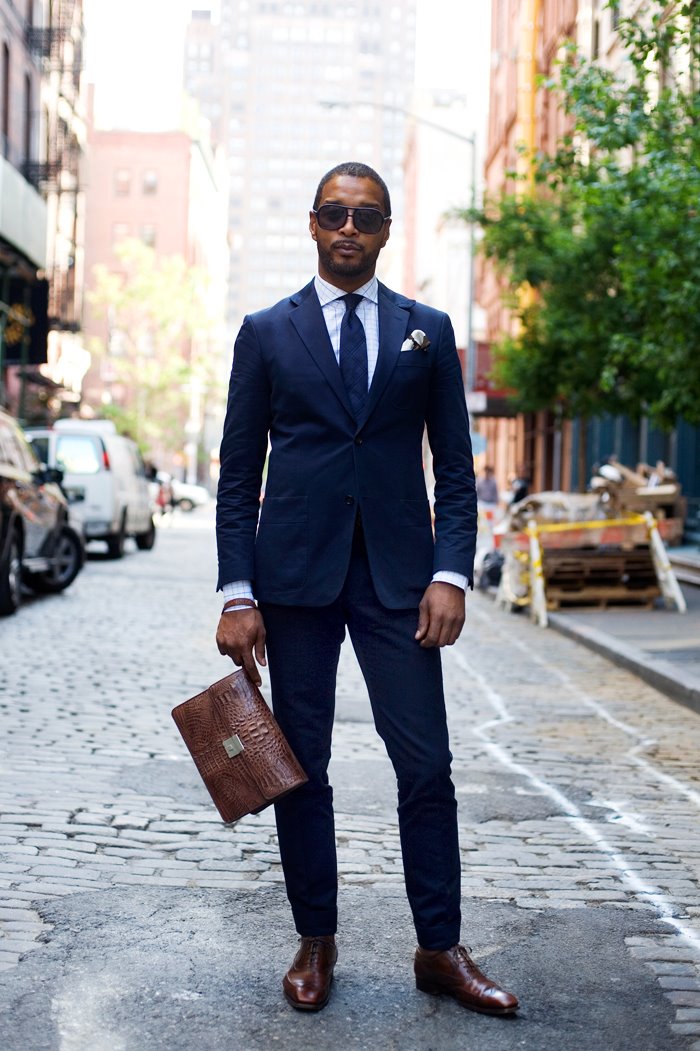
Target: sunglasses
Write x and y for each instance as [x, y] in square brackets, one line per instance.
[335, 216]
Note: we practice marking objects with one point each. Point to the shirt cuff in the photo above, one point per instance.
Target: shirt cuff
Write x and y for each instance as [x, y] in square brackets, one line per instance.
[444, 576]
[237, 589]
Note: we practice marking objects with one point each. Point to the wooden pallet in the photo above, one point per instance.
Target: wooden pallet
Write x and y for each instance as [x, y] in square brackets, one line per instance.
[579, 569]
[602, 597]
[600, 578]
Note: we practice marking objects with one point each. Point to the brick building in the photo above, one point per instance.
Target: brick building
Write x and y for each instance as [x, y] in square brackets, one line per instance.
[527, 36]
[168, 190]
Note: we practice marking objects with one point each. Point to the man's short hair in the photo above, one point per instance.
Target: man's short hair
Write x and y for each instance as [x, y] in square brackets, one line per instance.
[358, 171]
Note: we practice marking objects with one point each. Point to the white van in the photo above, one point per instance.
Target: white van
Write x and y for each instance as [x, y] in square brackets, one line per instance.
[104, 477]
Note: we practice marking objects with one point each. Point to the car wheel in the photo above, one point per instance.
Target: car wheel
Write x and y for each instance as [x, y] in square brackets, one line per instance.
[186, 504]
[115, 543]
[11, 577]
[145, 541]
[67, 563]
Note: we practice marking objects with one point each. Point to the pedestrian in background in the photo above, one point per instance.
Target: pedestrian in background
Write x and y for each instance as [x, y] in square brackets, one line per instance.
[166, 497]
[342, 378]
[519, 486]
[487, 487]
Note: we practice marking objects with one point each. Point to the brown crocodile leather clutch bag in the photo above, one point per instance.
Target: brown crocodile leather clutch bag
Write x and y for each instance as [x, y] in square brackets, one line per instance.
[237, 746]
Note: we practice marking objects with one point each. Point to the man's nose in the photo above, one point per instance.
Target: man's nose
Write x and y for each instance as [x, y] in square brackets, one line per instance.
[348, 226]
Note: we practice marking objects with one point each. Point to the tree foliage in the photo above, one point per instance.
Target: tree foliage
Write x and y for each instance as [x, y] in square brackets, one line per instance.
[158, 313]
[599, 248]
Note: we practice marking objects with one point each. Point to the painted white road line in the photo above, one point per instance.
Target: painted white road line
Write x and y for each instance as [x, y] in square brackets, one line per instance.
[643, 742]
[645, 892]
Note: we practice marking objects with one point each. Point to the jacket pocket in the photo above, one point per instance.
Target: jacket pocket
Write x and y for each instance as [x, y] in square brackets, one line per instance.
[281, 546]
[282, 509]
[414, 357]
[416, 513]
[410, 381]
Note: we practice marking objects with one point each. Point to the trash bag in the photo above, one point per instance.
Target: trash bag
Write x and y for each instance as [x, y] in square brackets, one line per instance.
[490, 573]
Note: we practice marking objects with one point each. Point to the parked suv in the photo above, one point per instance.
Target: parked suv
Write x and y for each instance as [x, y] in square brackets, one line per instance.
[37, 545]
[104, 476]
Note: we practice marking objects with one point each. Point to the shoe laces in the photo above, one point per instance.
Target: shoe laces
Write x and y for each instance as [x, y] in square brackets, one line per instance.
[313, 948]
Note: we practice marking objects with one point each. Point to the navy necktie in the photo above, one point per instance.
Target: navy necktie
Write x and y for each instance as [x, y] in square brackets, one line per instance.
[353, 354]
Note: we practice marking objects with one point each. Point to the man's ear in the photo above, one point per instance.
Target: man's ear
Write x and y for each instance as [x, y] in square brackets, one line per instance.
[312, 225]
[387, 224]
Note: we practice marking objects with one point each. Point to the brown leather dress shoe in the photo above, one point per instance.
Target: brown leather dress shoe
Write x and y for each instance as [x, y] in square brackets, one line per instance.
[307, 983]
[454, 973]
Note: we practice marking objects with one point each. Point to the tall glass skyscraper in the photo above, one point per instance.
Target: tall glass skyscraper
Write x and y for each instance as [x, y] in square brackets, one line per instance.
[292, 87]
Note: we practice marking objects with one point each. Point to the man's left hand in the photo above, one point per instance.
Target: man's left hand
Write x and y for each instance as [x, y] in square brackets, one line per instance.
[440, 615]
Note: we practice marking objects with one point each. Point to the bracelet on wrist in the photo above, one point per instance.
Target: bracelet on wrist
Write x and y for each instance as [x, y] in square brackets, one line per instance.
[233, 603]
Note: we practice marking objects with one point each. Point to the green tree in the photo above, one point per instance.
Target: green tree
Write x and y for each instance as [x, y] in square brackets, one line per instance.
[599, 249]
[159, 314]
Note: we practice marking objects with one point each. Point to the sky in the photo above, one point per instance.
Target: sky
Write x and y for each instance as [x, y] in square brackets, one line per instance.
[453, 45]
[138, 77]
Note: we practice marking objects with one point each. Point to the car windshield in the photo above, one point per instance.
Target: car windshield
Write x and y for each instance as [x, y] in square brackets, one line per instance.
[77, 454]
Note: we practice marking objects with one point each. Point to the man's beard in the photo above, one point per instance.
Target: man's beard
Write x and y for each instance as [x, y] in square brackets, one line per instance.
[352, 267]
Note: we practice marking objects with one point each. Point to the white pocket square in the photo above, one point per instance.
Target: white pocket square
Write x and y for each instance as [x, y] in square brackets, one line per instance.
[416, 341]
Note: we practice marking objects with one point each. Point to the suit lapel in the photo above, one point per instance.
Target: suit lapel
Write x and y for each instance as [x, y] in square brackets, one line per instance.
[393, 320]
[308, 320]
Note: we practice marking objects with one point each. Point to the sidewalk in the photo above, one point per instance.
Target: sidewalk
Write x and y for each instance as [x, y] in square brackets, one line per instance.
[686, 563]
[660, 645]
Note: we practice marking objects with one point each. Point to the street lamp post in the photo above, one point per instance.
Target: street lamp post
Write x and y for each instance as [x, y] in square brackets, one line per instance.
[470, 140]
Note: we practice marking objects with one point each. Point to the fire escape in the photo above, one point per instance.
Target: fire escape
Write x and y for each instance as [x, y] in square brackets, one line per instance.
[59, 47]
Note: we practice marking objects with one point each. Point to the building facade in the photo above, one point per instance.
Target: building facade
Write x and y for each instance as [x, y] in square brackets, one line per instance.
[43, 138]
[526, 40]
[292, 89]
[527, 37]
[23, 210]
[439, 175]
[61, 177]
[166, 190]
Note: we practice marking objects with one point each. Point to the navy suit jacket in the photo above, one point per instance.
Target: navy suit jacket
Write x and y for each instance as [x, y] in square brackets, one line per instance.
[324, 465]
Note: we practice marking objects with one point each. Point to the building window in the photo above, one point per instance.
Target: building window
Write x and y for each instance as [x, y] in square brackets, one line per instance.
[150, 182]
[122, 182]
[27, 117]
[615, 17]
[5, 100]
[148, 235]
[120, 231]
[47, 132]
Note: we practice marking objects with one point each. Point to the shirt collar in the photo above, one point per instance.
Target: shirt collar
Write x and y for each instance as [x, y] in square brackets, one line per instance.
[327, 293]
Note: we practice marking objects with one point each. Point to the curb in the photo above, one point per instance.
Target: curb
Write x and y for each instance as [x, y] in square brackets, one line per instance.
[662, 675]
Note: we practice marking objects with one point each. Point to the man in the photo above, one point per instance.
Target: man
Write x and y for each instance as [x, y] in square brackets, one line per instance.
[342, 378]
[520, 485]
[487, 487]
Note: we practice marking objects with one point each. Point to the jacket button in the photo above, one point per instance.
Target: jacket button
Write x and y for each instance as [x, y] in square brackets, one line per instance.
[349, 500]
[358, 440]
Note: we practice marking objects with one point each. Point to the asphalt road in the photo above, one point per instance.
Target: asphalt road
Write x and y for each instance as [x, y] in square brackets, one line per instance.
[132, 920]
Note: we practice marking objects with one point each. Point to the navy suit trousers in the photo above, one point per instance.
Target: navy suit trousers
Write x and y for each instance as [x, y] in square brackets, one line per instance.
[404, 682]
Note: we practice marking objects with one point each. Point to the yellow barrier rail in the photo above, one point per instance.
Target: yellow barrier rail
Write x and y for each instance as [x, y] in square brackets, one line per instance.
[603, 523]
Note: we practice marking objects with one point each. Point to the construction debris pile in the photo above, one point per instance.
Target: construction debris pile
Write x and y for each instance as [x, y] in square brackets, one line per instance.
[597, 548]
[647, 488]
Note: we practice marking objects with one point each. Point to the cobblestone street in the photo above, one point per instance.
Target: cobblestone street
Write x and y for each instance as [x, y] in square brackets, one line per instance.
[132, 919]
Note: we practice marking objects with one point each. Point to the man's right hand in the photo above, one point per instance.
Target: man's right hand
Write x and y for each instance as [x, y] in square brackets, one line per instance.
[241, 634]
